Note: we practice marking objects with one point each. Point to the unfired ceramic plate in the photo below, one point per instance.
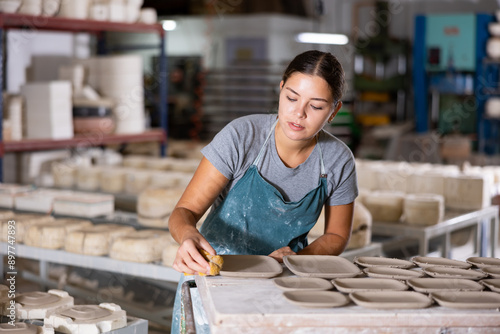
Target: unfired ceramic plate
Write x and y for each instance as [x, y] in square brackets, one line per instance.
[391, 299]
[429, 261]
[450, 272]
[255, 266]
[375, 261]
[324, 266]
[317, 299]
[491, 271]
[302, 283]
[428, 285]
[349, 285]
[492, 283]
[482, 262]
[394, 273]
[467, 299]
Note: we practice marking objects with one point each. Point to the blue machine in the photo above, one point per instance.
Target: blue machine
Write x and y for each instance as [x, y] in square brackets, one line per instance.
[449, 74]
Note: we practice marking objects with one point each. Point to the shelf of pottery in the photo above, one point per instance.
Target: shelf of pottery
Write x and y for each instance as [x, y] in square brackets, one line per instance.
[489, 100]
[54, 311]
[94, 101]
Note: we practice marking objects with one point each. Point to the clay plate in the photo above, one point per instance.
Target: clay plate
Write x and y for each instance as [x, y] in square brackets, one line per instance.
[428, 285]
[492, 271]
[492, 283]
[467, 299]
[292, 283]
[324, 266]
[316, 299]
[394, 273]
[450, 272]
[348, 285]
[429, 261]
[482, 262]
[37, 298]
[375, 261]
[391, 299]
[18, 328]
[254, 266]
[85, 312]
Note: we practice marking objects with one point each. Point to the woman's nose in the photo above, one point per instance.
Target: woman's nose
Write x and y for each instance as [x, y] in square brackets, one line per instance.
[301, 111]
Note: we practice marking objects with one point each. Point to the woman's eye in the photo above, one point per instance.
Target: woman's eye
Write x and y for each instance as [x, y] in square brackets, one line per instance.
[316, 108]
[290, 99]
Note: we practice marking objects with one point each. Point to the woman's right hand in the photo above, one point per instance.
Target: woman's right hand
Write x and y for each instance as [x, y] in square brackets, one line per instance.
[188, 259]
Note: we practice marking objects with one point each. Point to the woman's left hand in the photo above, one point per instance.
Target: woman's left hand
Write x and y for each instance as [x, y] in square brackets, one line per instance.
[279, 253]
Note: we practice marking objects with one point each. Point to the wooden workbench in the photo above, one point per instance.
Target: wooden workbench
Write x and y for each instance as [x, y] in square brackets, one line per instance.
[239, 305]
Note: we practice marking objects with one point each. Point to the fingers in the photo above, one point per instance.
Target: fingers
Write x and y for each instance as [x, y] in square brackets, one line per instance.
[189, 260]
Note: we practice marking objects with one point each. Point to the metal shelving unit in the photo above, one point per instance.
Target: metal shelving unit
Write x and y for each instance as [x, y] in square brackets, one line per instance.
[9, 21]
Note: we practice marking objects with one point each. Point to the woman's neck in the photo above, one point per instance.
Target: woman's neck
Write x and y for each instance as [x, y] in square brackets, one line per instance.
[292, 153]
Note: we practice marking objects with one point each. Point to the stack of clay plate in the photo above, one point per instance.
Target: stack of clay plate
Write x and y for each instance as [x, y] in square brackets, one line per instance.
[37, 304]
[84, 319]
[24, 328]
[8, 192]
[362, 221]
[439, 267]
[113, 180]
[387, 268]
[64, 174]
[48, 110]
[385, 206]
[88, 177]
[96, 239]
[88, 205]
[137, 181]
[136, 161]
[40, 200]
[23, 223]
[468, 192]
[488, 265]
[121, 78]
[141, 246]
[74, 9]
[323, 266]
[53, 234]
[423, 209]
[154, 206]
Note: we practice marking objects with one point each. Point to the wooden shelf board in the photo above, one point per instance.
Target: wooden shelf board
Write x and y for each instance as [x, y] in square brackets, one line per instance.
[8, 20]
[87, 140]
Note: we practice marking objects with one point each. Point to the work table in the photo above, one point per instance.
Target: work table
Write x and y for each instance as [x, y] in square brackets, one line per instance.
[251, 305]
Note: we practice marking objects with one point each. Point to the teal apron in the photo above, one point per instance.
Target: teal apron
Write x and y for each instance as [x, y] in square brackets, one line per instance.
[255, 219]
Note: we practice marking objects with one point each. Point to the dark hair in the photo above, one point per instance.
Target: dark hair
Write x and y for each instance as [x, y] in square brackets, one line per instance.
[322, 64]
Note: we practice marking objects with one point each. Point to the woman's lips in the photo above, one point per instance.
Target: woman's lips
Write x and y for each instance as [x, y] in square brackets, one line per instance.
[295, 126]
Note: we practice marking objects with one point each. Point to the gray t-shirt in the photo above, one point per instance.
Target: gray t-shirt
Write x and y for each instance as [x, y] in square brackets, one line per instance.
[237, 145]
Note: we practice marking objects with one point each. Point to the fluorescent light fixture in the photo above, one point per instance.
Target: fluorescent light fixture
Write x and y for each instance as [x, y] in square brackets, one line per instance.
[168, 25]
[320, 38]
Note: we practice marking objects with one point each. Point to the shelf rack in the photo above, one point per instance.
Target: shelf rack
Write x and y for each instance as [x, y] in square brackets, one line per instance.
[9, 21]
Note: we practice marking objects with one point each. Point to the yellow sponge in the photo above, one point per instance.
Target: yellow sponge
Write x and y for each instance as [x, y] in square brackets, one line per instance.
[215, 262]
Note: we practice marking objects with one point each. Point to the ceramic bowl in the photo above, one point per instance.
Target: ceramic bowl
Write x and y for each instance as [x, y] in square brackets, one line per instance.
[493, 47]
[494, 28]
[10, 6]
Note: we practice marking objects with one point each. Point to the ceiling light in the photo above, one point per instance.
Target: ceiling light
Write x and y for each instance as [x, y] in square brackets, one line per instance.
[320, 38]
[168, 25]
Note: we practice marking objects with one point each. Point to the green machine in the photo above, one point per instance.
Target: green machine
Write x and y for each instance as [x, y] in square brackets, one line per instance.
[449, 61]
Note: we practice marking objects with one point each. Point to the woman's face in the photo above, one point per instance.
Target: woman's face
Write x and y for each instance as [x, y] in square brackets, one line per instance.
[305, 105]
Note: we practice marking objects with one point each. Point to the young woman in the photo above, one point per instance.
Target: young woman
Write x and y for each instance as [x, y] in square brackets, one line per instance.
[267, 177]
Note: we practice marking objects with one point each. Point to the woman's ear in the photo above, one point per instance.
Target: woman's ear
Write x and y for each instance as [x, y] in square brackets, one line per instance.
[336, 109]
[281, 84]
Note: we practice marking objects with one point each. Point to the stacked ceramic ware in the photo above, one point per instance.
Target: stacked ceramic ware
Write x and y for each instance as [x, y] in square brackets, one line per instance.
[9, 6]
[120, 77]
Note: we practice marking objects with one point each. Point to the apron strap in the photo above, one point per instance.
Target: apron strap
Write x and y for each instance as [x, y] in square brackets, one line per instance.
[257, 160]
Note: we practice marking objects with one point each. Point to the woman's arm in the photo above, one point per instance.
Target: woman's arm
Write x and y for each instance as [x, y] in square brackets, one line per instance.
[338, 225]
[206, 184]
